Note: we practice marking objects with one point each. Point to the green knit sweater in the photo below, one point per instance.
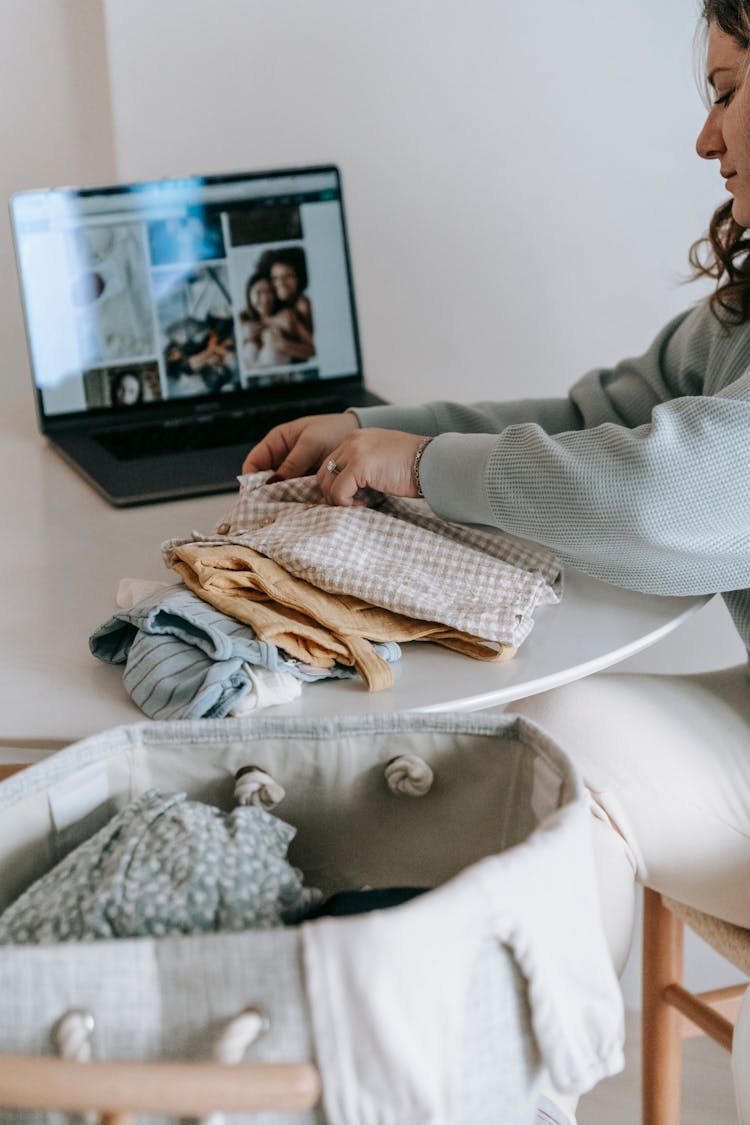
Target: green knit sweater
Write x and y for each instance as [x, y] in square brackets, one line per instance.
[640, 477]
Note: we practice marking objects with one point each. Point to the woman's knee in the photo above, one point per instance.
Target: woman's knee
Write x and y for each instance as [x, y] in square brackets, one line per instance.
[667, 759]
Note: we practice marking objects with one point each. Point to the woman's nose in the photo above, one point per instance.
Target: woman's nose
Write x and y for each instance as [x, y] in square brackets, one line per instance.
[710, 143]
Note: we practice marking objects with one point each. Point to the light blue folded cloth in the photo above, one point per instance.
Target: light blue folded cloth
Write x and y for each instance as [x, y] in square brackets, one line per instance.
[166, 865]
[186, 660]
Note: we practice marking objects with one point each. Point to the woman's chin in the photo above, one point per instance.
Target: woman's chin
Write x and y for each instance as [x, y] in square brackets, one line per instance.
[741, 212]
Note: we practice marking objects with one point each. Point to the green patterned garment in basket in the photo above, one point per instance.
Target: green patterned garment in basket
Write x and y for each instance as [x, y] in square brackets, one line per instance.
[166, 865]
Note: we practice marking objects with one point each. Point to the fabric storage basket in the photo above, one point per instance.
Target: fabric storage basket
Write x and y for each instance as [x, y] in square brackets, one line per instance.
[441, 1010]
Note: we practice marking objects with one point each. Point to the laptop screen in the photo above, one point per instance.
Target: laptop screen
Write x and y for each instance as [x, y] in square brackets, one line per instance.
[183, 289]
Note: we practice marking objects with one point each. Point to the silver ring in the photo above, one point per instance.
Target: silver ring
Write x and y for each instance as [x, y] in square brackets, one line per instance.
[332, 467]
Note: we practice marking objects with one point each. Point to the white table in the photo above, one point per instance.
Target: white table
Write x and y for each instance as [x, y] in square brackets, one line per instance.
[64, 549]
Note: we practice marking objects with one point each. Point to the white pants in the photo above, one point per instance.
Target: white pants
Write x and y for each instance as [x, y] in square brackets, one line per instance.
[666, 760]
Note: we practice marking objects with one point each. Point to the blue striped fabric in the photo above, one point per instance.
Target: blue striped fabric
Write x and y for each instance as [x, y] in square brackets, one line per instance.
[186, 660]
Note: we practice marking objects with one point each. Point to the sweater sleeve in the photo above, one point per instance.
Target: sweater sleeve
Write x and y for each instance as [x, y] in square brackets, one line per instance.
[649, 490]
[552, 414]
[625, 394]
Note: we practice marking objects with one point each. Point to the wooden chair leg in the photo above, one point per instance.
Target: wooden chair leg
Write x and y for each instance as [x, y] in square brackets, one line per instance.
[661, 1038]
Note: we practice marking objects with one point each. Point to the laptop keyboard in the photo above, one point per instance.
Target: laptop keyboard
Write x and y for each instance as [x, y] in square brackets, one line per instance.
[215, 432]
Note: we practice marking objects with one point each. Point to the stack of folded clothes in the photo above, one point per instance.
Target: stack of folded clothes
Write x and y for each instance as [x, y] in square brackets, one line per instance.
[302, 588]
[324, 582]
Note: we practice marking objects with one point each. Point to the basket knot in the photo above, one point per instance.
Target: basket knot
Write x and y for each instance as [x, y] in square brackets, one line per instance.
[408, 775]
[253, 786]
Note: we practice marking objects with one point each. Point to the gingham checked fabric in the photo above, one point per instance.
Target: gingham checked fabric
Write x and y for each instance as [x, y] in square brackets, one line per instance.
[398, 555]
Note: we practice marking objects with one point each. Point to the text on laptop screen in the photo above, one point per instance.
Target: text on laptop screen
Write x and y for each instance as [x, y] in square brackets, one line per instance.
[184, 288]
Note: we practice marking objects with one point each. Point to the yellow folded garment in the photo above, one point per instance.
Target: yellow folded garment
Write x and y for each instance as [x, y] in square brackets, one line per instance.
[310, 624]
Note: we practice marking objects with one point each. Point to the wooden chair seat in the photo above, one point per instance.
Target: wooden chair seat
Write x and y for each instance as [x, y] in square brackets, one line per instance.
[732, 942]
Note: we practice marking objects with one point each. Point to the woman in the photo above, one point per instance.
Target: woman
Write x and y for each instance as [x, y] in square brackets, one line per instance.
[289, 280]
[262, 342]
[641, 477]
[273, 333]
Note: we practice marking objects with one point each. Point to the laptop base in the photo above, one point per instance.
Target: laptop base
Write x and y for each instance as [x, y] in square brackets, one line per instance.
[169, 473]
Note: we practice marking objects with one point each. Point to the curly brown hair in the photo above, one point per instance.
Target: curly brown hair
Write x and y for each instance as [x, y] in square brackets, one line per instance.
[722, 253]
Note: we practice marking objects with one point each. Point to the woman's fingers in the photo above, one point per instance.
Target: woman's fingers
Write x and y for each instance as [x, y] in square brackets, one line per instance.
[295, 448]
[270, 452]
[373, 460]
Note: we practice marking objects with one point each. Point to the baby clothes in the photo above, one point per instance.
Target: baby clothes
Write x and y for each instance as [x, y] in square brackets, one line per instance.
[166, 865]
[270, 689]
[398, 556]
[307, 622]
[186, 660]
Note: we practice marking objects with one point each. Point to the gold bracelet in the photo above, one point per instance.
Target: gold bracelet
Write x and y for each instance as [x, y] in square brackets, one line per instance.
[415, 466]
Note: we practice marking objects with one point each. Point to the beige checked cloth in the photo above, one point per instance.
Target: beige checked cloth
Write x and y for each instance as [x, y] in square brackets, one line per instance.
[398, 555]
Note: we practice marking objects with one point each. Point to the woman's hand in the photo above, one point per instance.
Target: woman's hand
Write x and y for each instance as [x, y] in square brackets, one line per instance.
[382, 460]
[297, 447]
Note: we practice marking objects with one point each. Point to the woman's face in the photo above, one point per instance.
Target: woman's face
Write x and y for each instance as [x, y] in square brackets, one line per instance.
[726, 134]
[128, 389]
[261, 297]
[284, 281]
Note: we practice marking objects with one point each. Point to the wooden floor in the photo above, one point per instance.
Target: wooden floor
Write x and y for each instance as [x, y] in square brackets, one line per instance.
[707, 1097]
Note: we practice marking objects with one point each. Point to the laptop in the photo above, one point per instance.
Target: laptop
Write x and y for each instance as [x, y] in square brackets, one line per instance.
[172, 323]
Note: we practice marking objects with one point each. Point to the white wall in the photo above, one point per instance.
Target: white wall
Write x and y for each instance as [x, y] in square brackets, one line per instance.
[521, 181]
[55, 128]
